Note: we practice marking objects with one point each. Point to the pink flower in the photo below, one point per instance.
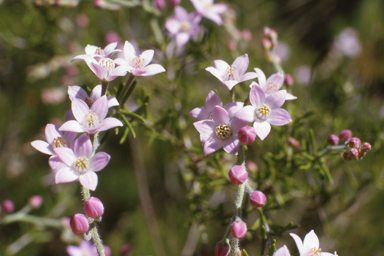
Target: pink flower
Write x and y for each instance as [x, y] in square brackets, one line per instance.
[311, 244]
[220, 132]
[97, 53]
[209, 10]
[282, 251]
[272, 84]
[90, 120]
[183, 25]
[80, 164]
[76, 92]
[264, 111]
[137, 65]
[54, 139]
[234, 74]
[85, 248]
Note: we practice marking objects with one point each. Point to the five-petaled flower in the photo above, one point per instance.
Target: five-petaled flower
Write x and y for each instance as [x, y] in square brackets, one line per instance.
[90, 119]
[98, 53]
[79, 164]
[311, 245]
[76, 92]
[230, 75]
[264, 111]
[211, 11]
[137, 65]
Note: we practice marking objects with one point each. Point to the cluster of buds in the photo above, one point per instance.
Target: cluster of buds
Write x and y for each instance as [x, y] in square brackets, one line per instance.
[34, 202]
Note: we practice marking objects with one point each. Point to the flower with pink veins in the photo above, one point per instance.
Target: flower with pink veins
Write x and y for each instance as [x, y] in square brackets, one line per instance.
[221, 131]
[211, 11]
[138, 65]
[97, 53]
[90, 120]
[311, 245]
[54, 139]
[183, 25]
[86, 248]
[234, 74]
[80, 164]
[264, 111]
[76, 92]
[282, 251]
[272, 84]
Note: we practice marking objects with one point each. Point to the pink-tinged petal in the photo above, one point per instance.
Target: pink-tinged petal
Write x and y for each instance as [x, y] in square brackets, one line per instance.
[82, 146]
[247, 114]
[248, 76]
[80, 57]
[52, 132]
[147, 56]
[220, 115]
[90, 49]
[203, 138]
[214, 17]
[289, 96]
[100, 107]
[261, 76]
[65, 175]
[99, 71]
[109, 123]
[231, 145]
[121, 62]
[206, 127]
[198, 4]
[279, 117]
[89, 180]
[212, 101]
[109, 49]
[137, 72]
[99, 161]
[182, 38]
[173, 25]
[215, 72]
[96, 92]
[66, 155]
[153, 69]
[195, 18]
[236, 124]
[129, 52]
[310, 241]
[211, 145]
[74, 250]
[55, 163]
[43, 147]
[69, 137]
[276, 100]
[221, 66]
[273, 83]
[283, 251]
[233, 107]
[230, 83]
[256, 96]
[219, 8]
[76, 92]
[200, 113]
[112, 101]
[181, 13]
[262, 129]
[241, 64]
[72, 126]
[298, 242]
[79, 109]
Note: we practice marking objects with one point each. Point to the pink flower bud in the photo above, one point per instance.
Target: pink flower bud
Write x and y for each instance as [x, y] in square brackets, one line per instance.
[98, 3]
[82, 20]
[111, 37]
[251, 166]
[333, 139]
[222, 248]
[125, 250]
[93, 207]
[345, 135]
[267, 44]
[36, 201]
[232, 45]
[354, 143]
[257, 199]
[8, 206]
[174, 2]
[66, 222]
[107, 250]
[246, 34]
[354, 153]
[294, 143]
[160, 4]
[288, 80]
[79, 223]
[366, 147]
[239, 228]
[246, 135]
[347, 156]
[238, 175]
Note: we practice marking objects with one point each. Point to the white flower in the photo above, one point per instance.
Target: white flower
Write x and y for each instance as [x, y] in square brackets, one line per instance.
[311, 245]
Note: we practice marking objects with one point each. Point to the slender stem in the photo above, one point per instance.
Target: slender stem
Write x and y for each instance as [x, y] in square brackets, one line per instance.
[332, 148]
[248, 187]
[22, 217]
[232, 94]
[125, 89]
[104, 87]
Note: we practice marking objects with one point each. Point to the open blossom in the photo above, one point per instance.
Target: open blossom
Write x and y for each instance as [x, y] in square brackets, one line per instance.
[90, 119]
[211, 11]
[54, 139]
[310, 246]
[97, 53]
[220, 132]
[85, 248]
[80, 164]
[234, 74]
[264, 111]
[76, 92]
[272, 84]
[138, 65]
[183, 25]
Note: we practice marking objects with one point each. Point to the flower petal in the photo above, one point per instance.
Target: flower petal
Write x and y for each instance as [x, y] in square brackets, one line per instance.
[96, 93]
[230, 83]
[99, 161]
[248, 76]
[282, 251]
[231, 145]
[298, 242]
[66, 155]
[99, 71]
[109, 49]
[182, 38]
[247, 114]
[79, 109]
[233, 107]
[72, 126]
[220, 115]
[260, 76]
[211, 145]
[109, 123]
[82, 146]
[221, 65]
[273, 83]
[65, 175]
[43, 147]
[276, 100]
[76, 92]
[256, 96]
[52, 132]
[147, 56]
[181, 13]
[199, 113]
[241, 64]
[289, 96]
[153, 69]
[310, 241]
[218, 74]
[129, 52]
[173, 25]
[212, 100]
[100, 108]
[262, 129]
[206, 127]
[236, 124]
[279, 117]
[89, 180]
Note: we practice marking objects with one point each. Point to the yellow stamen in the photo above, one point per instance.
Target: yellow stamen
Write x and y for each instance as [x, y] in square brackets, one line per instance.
[59, 142]
[223, 131]
[81, 165]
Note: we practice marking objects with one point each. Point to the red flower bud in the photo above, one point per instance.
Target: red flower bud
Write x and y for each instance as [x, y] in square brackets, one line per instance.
[333, 139]
[294, 143]
[288, 80]
[238, 175]
[239, 228]
[354, 153]
[345, 135]
[36, 201]
[347, 156]
[93, 207]
[222, 248]
[366, 147]
[8, 206]
[257, 199]
[251, 166]
[125, 249]
[354, 143]
[79, 223]
[246, 135]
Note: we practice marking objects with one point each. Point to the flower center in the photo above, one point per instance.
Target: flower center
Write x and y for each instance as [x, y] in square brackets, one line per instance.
[138, 62]
[81, 165]
[230, 73]
[99, 51]
[89, 101]
[316, 252]
[91, 120]
[107, 64]
[271, 87]
[223, 131]
[185, 25]
[263, 112]
[59, 142]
